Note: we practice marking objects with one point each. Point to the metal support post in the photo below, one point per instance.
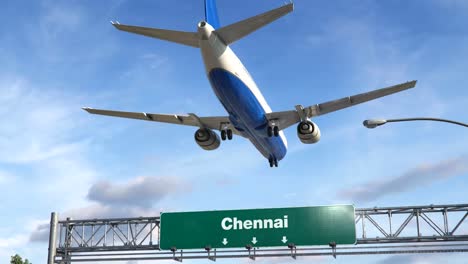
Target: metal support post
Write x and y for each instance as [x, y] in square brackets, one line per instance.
[293, 249]
[417, 222]
[249, 248]
[68, 241]
[208, 249]
[52, 238]
[179, 259]
[333, 246]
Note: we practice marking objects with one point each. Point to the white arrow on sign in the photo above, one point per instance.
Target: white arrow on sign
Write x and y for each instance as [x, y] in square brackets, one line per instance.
[225, 241]
[254, 240]
[284, 240]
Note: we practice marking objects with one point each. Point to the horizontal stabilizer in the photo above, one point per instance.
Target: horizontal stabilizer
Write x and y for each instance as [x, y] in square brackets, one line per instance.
[181, 37]
[236, 31]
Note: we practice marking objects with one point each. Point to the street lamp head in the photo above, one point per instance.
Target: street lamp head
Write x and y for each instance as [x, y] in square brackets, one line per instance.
[373, 123]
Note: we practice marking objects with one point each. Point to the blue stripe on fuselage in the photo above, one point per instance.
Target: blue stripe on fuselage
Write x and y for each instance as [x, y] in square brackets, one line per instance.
[211, 13]
[245, 112]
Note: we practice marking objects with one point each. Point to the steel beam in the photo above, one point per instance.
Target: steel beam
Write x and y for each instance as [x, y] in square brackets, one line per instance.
[125, 239]
[52, 238]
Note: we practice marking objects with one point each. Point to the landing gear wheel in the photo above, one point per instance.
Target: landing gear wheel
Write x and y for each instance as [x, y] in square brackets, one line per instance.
[270, 131]
[275, 131]
[273, 162]
[223, 134]
[229, 134]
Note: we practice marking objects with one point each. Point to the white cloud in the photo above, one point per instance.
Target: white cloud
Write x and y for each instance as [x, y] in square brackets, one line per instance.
[42, 133]
[42, 149]
[135, 198]
[35, 125]
[5, 177]
[8, 245]
[59, 18]
[378, 60]
[414, 178]
[140, 191]
[41, 233]
[13, 241]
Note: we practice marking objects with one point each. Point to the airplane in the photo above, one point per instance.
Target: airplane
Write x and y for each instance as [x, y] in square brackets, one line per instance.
[249, 115]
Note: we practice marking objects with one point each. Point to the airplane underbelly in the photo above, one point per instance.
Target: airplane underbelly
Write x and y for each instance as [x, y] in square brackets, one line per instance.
[245, 112]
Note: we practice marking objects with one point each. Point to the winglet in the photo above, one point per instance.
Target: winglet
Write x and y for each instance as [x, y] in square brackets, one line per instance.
[87, 109]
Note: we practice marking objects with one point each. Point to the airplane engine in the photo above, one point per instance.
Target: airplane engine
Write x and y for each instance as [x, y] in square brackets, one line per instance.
[308, 132]
[207, 139]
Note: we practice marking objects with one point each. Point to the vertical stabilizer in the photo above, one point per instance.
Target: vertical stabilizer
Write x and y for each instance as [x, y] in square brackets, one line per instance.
[211, 13]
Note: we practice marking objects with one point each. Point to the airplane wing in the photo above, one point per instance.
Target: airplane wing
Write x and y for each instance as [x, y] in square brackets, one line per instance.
[212, 122]
[286, 119]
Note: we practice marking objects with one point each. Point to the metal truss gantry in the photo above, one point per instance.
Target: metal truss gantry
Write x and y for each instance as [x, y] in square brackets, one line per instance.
[380, 230]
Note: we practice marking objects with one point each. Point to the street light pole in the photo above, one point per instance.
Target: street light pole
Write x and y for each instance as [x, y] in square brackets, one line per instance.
[373, 123]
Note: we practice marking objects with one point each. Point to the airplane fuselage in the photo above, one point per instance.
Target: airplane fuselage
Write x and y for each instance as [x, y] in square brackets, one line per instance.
[238, 93]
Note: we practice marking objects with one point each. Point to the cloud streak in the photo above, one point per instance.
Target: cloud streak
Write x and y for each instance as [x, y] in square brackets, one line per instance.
[134, 198]
[141, 191]
[414, 178]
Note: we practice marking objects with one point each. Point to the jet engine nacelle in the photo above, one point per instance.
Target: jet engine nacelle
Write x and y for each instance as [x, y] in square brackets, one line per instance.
[207, 139]
[308, 132]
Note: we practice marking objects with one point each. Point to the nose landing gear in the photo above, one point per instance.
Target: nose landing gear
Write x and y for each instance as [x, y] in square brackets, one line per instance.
[273, 162]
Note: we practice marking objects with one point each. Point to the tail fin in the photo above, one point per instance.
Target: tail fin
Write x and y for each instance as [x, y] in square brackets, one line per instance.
[228, 34]
[211, 13]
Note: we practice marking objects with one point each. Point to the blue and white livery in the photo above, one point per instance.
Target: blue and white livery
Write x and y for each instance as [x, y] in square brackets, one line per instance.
[249, 115]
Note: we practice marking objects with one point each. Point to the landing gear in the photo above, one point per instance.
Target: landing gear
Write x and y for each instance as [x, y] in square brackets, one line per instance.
[223, 135]
[273, 162]
[226, 133]
[273, 131]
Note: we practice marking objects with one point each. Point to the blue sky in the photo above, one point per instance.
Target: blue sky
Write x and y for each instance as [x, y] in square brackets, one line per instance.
[58, 56]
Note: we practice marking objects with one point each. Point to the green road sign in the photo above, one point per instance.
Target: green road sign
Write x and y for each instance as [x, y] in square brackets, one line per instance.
[300, 226]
